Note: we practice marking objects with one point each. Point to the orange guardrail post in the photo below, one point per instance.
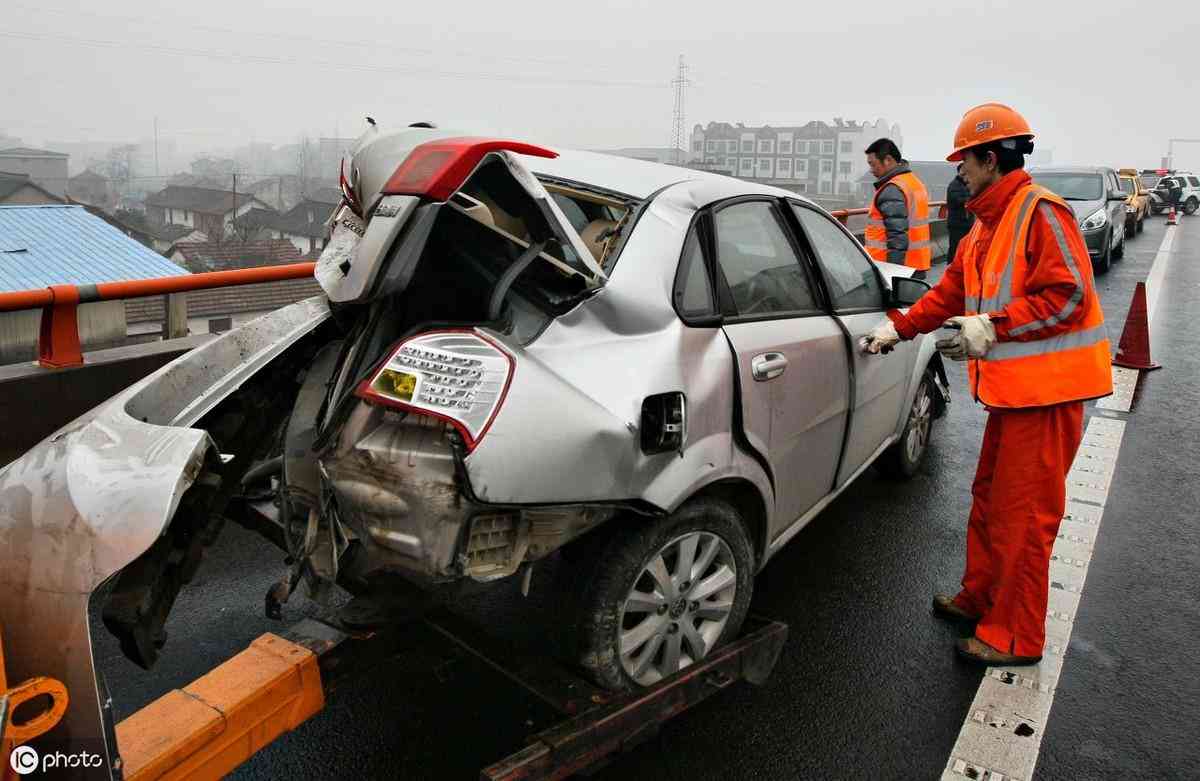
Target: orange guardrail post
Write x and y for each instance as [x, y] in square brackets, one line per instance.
[58, 338]
[221, 719]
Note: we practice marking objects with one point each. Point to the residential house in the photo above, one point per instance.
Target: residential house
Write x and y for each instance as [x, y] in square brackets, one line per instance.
[823, 160]
[211, 212]
[47, 169]
[256, 225]
[165, 237]
[228, 255]
[304, 225]
[20, 190]
[59, 244]
[93, 189]
[216, 311]
[284, 191]
[143, 237]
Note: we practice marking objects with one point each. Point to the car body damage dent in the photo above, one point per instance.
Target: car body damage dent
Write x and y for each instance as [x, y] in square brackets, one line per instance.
[394, 480]
[95, 495]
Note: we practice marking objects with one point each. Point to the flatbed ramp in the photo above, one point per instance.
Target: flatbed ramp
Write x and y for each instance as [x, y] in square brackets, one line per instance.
[208, 728]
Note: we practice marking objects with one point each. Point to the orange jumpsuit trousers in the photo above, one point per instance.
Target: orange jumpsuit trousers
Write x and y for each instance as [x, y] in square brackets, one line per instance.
[1019, 497]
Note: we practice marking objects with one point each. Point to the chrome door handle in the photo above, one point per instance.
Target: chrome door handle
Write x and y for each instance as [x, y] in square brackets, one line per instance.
[768, 366]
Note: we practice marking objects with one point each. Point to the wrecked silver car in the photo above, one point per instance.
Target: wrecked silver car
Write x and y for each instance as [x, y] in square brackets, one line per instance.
[520, 351]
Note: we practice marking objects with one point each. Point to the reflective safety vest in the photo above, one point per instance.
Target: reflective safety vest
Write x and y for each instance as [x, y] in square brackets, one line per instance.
[920, 245]
[1069, 366]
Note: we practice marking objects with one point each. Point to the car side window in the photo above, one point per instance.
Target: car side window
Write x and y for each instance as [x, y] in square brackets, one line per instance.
[759, 263]
[693, 289]
[852, 279]
[1193, 181]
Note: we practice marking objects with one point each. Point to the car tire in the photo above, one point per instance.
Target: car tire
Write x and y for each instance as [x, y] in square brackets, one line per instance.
[903, 459]
[1190, 205]
[618, 576]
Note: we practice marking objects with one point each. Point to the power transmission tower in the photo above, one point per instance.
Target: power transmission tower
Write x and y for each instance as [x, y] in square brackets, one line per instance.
[678, 123]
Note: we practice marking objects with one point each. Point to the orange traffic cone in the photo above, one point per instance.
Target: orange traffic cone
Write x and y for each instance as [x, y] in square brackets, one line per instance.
[1134, 349]
[1171, 218]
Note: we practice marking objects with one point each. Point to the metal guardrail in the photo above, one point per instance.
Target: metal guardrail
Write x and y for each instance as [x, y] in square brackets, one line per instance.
[58, 338]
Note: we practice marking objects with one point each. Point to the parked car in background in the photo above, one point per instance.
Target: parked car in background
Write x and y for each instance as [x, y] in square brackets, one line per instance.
[1137, 206]
[519, 351]
[1095, 195]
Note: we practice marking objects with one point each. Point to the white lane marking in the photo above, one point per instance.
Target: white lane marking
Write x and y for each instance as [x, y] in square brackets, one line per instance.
[1002, 734]
[1124, 383]
[1158, 270]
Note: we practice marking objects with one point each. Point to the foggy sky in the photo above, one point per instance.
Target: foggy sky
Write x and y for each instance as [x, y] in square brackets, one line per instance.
[1101, 82]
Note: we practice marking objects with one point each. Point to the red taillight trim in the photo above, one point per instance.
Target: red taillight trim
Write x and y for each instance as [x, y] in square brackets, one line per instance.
[348, 194]
[436, 169]
[365, 392]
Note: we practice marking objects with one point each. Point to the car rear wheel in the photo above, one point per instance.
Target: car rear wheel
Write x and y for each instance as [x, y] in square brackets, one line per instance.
[661, 597]
[903, 459]
[1190, 205]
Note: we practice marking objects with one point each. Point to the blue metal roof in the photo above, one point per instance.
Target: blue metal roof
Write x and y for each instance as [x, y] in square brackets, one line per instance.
[54, 245]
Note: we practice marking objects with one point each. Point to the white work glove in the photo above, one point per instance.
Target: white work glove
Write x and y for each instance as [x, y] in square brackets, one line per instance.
[975, 337]
[881, 339]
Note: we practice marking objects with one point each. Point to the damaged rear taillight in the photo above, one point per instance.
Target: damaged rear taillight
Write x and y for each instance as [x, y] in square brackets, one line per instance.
[457, 376]
[436, 169]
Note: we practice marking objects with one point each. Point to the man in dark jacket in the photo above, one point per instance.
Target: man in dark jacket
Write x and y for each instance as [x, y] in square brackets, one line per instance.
[958, 219]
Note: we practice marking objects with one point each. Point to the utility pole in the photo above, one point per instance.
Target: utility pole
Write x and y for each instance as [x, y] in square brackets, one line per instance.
[678, 130]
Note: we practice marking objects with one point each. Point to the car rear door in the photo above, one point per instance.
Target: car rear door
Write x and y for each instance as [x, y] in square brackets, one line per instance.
[793, 372]
[857, 297]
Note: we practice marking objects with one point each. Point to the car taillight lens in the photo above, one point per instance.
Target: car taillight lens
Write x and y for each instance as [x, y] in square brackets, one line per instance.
[457, 376]
[436, 169]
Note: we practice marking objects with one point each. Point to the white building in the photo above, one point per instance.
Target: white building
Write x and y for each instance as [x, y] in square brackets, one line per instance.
[819, 159]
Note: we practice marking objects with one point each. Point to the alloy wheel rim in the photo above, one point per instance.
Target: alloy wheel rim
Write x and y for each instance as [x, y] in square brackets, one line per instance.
[919, 422]
[677, 607]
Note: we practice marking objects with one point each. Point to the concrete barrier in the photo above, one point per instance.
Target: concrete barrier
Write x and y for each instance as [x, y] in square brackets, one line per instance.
[35, 402]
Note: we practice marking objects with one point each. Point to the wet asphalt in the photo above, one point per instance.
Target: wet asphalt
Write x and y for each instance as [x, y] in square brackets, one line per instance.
[867, 684]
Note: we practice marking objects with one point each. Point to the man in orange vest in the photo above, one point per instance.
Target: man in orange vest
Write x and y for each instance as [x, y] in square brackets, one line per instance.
[1021, 296]
[898, 221]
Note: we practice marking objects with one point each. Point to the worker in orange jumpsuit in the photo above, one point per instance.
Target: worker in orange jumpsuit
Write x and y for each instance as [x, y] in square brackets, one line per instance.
[1019, 294]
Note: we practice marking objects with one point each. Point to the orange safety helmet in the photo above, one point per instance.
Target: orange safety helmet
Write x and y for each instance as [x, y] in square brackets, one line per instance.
[987, 123]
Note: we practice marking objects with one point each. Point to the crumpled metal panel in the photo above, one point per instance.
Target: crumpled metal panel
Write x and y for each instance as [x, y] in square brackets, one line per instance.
[597, 364]
[96, 494]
